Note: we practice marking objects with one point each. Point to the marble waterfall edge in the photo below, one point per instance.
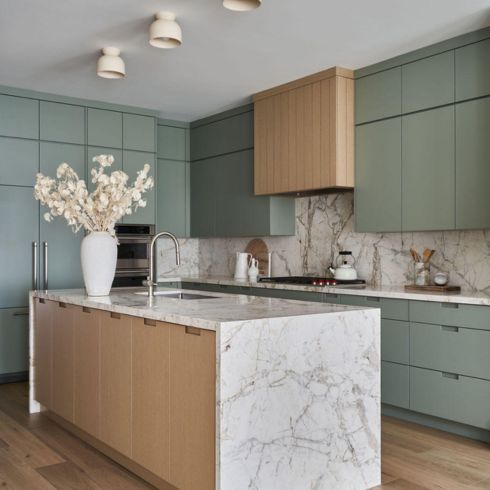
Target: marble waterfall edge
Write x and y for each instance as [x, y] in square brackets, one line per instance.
[299, 402]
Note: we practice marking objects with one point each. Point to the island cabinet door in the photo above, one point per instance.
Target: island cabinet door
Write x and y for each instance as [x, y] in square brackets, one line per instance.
[43, 351]
[115, 381]
[87, 365]
[63, 367]
[150, 381]
[192, 408]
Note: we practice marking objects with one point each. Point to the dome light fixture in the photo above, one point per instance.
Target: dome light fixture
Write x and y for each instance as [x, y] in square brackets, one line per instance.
[165, 32]
[241, 5]
[110, 64]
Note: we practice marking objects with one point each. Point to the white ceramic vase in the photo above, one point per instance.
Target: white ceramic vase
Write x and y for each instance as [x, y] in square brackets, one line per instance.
[98, 254]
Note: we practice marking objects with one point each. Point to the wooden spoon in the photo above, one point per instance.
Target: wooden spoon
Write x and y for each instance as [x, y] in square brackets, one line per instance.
[428, 255]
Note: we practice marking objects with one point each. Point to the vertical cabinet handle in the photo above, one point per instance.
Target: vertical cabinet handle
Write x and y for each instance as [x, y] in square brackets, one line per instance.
[34, 266]
[45, 251]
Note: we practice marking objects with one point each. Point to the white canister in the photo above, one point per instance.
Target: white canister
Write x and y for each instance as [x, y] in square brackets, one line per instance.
[253, 270]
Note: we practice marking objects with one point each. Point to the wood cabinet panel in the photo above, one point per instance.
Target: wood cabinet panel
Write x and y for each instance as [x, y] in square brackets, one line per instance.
[150, 396]
[115, 381]
[192, 408]
[86, 370]
[43, 351]
[63, 366]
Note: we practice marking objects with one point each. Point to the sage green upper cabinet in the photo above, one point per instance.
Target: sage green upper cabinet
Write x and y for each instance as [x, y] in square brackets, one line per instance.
[428, 168]
[173, 197]
[204, 175]
[139, 132]
[223, 136]
[378, 176]
[19, 117]
[473, 70]
[64, 270]
[172, 143]
[473, 164]
[20, 228]
[428, 82]
[379, 95]
[19, 161]
[104, 128]
[133, 161]
[93, 151]
[63, 123]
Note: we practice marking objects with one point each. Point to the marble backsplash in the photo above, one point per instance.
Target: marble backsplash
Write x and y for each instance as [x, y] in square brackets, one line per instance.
[324, 226]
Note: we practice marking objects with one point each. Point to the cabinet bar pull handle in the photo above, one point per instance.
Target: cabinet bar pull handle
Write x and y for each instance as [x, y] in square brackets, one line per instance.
[450, 305]
[45, 253]
[34, 266]
[21, 313]
[42, 300]
[150, 323]
[450, 329]
[451, 376]
[117, 316]
[62, 305]
[193, 331]
[86, 310]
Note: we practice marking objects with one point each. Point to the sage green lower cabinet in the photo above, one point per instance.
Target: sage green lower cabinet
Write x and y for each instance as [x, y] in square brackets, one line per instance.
[473, 70]
[19, 117]
[173, 197]
[450, 396]
[332, 298]
[133, 162]
[63, 123]
[63, 252]
[395, 341]
[19, 161]
[19, 215]
[377, 199]
[395, 384]
[104, 128]
[428, 170]
[288, 294]
[393, 309]
[472, 164]
[14, 340]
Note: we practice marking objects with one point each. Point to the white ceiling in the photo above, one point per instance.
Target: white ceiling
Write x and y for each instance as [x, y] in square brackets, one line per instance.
[52, 45]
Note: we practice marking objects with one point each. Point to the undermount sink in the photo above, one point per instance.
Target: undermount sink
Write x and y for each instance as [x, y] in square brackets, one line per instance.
[177, 295]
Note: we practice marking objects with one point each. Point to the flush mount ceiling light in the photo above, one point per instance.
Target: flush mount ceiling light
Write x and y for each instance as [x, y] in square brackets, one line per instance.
[241, 5]
[110, 64]
[165, 32]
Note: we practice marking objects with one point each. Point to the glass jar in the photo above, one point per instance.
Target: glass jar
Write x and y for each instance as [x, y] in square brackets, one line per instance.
[422, 273]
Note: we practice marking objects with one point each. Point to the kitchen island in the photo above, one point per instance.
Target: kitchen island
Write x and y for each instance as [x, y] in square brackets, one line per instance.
[214, 391]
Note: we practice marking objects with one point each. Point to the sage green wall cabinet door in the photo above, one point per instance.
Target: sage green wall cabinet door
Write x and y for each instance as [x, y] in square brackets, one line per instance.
[473, 164]
[173, 197]
[19, 215]
[428, 168]
[203, 203]
[172, 143]
[14, 340]
[447, 395]
[451, 349]
[19, 117]
[63, 123]
[379, 95]
[473, 70]
[139, 132]
[63, 252]
[133, 162]
[395, 384]
[377, 200]
[93, 151]
[104, 128]
[395, 341]
[19, 161]
[428, 82]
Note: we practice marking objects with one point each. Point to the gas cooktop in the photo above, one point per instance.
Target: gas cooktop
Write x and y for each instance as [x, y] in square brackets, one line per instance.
[315, 281]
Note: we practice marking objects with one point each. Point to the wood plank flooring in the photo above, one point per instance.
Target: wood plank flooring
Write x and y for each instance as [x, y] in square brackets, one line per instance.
[35, 453]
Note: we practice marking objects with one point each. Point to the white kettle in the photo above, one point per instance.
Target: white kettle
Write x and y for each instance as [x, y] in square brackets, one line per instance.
[345, 267]
[241, 265]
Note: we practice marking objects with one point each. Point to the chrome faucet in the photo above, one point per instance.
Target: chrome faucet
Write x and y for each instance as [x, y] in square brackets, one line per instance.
[150, 280]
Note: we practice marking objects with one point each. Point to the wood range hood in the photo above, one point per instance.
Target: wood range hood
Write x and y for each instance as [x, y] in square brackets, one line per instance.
[304, 135]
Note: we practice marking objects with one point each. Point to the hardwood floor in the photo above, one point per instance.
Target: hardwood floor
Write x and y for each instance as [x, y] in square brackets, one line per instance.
[35, 453]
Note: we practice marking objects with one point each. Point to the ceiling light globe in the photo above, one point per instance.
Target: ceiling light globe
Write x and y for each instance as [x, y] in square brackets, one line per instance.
[241, 5]
[110, 64]
[165, 32]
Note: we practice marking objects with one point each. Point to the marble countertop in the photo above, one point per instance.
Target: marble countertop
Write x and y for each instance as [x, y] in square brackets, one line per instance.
[397, 292]
[207, 313]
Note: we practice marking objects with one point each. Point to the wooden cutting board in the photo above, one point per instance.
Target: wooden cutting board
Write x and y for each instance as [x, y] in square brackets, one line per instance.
[433, 288]
[259, 250]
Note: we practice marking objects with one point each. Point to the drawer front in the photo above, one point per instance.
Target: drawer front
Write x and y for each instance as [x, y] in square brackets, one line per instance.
[459, 398]
[332, 298]
[393, 309]
[286, 294]
[469, 316]
[14, 340]
[395, 341]
[453, 349]
[395, 384]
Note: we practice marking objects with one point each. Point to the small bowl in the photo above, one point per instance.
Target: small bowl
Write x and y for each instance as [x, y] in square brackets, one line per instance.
[441, 278]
